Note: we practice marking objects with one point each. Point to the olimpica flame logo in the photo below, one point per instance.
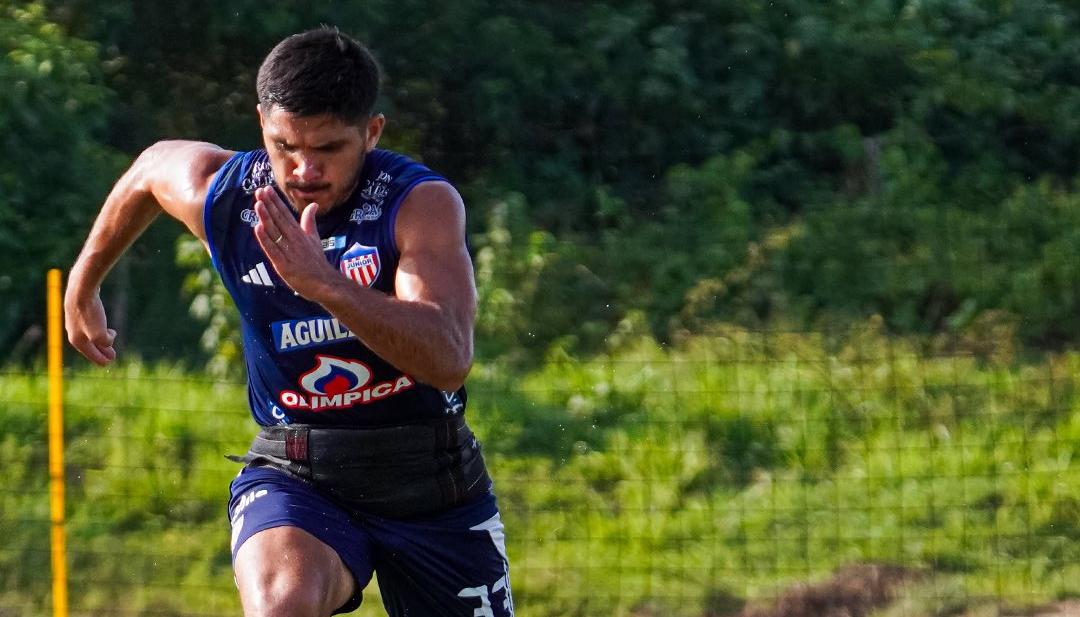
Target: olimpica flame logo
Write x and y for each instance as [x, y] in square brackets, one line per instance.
[333, 376]
[339, 383]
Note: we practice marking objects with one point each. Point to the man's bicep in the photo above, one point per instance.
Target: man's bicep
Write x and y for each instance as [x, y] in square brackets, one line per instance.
[435, 265]
[443, 277]
[179, 175]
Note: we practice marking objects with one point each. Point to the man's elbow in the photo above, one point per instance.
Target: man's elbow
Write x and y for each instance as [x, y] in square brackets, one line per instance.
[453, 375]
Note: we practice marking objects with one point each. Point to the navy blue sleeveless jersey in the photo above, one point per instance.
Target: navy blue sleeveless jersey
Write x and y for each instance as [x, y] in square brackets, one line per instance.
[303, 365]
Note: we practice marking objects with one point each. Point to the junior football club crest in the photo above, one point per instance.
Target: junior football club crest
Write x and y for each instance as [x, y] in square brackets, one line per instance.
[361, 264]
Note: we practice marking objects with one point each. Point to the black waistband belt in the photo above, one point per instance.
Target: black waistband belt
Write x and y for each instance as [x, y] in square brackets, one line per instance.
[398, 471]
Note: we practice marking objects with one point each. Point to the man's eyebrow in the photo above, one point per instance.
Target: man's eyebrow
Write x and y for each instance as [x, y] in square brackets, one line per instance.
[332, 144]
[328, 145]
[279, 139]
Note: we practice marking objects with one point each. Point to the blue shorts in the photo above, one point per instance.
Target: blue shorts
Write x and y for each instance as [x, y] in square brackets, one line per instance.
[450, 564]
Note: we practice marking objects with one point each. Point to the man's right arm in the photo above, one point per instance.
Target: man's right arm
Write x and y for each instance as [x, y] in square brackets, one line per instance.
[173, 176]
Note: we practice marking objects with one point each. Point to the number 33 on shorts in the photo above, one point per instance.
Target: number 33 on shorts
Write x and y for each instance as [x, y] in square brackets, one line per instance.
[481, 592]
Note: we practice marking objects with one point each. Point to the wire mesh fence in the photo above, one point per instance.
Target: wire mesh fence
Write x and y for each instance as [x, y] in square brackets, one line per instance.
[741, 473]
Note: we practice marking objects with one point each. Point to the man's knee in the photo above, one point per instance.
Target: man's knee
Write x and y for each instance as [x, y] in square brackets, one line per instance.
[286, 572]
[282, 595]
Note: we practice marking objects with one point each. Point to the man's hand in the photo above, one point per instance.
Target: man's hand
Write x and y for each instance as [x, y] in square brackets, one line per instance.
[293, 249]
[84, 319]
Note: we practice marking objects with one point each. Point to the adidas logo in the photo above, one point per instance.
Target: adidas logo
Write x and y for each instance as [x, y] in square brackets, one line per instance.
[258, 276]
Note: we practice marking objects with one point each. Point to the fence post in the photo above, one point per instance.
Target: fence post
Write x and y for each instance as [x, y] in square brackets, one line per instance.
[56, 445]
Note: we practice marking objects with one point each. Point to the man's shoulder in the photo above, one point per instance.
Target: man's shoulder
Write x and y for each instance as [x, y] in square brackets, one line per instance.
[228, 206]
[243, 171]
[385, 163]
[198, 156]
[382, 156]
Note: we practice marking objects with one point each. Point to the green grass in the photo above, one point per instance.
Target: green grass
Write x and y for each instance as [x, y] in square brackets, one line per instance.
[654, 480]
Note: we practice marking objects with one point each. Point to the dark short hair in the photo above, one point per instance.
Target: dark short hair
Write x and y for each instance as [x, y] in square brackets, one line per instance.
[321, 71]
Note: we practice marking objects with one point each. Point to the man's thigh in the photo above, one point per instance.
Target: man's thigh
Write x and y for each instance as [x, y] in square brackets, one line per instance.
[453, 564]
[287, 539]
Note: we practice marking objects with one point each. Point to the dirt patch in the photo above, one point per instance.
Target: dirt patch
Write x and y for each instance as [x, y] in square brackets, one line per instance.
[1069, 608]
[853, 591]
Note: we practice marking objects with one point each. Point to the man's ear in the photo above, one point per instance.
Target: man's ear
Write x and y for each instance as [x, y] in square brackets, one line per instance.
[373, 131]
[258, 109]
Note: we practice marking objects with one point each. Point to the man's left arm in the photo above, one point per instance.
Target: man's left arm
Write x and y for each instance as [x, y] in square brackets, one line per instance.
[426, 329]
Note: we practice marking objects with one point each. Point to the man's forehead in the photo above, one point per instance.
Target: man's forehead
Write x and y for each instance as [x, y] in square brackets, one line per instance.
[281, 124]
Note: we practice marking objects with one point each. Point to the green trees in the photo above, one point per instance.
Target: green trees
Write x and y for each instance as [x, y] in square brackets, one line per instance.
[909, 160]
[55, 170]
[785, 164]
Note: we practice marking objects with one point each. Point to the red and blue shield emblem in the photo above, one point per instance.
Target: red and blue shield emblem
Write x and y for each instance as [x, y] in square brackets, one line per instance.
[361, 264]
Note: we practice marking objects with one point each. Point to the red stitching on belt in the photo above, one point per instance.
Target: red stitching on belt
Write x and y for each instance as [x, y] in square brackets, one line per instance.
[296, 445]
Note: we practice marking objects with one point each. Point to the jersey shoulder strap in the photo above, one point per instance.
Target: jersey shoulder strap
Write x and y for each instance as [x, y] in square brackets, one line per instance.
[236, 180]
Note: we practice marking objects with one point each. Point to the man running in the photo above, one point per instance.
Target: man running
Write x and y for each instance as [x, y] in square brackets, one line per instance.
[355, 290]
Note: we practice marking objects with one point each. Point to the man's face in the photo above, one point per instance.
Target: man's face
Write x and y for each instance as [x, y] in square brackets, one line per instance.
[316, 158]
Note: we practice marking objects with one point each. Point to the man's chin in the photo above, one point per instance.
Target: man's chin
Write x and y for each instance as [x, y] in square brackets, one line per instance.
[307, 197]
[325, 202]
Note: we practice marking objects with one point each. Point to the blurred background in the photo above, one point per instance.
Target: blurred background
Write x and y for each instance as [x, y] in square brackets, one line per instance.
[780, 301]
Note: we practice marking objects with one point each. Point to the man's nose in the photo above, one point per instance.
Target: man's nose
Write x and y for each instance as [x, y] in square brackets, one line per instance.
[307, 169]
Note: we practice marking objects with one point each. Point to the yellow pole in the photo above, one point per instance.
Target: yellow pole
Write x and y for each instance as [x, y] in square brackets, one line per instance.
[56, 446]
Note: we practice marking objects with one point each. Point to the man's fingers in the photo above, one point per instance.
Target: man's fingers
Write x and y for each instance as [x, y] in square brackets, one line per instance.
[106, 338]
[307, 220]
[271, 196]
[109, 353]
[266, 221]
[269, 247]
[268, 214]
[93, 352]
[103, 346]
[280, 216]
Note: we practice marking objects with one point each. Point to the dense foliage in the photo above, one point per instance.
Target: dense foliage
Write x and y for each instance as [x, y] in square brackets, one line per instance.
[55, 168]
[781, 165]
[649, 480]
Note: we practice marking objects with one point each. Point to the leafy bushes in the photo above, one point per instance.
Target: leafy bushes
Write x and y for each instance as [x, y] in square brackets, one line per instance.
[649, 475]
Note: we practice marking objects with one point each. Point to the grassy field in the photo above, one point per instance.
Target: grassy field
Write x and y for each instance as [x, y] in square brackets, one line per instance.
[680, 480]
